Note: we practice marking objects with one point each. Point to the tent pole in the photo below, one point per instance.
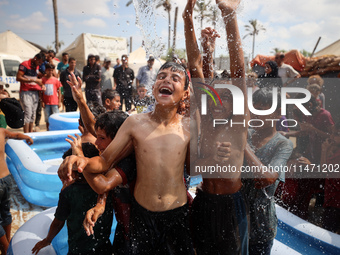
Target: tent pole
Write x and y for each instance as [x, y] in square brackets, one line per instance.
[316, 45]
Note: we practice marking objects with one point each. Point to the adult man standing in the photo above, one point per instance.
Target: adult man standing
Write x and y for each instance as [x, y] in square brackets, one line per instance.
[123, 78]
[69, 102]
[30, 86]
[62, 65]
[107, 73]
[287, 73]
[91, 76]
[146, 74]
[118, 63]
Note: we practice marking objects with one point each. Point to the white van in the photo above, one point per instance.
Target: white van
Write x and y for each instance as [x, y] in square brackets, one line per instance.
[9, 65]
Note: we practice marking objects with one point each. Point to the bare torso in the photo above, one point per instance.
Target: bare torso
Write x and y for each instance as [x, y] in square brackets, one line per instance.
[227, 182]
[160, 150]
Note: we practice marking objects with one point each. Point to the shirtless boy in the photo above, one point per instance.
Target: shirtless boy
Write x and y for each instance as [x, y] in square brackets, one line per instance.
[219, 213]
[159, 216]
[5, 183]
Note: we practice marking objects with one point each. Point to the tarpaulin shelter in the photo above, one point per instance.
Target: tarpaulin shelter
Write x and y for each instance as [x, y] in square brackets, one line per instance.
[104, 46]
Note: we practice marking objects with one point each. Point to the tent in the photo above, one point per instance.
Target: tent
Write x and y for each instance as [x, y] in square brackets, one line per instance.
[138, 58]
[12, 44]
[332, 49]
[104, 46]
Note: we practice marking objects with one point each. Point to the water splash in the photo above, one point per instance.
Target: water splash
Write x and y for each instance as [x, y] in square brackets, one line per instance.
[146, 22]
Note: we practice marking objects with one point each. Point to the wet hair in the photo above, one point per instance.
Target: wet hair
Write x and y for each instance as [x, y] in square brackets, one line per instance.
[315, 79]
[49, 66]
[141, 85]
[40, 55]
[52, 51]
[95, 108]
[71, 59]
[97, 57]
[174, 67]
[264, 96]
[89, 150]
[314, 88]
[125, 56]
[109, 94]
[275, 69]
[65, 54]
[111, 121]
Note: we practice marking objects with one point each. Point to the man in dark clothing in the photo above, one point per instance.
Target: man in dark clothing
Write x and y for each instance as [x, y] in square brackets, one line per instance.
[123, 78]
[91, 76]
[69, 102]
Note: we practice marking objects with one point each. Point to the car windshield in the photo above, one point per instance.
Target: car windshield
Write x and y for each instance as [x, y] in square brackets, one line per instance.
[11, 67]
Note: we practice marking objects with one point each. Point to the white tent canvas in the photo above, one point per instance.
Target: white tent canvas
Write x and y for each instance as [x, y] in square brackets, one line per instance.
[12, 44]
[104, 46]
[332, 49]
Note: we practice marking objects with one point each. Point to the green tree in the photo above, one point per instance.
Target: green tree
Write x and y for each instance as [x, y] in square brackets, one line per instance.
[305, 53]
[203, 11]
[278, 50]
[253, 30]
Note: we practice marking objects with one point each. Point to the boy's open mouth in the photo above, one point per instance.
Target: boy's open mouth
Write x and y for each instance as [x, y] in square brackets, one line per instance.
[165, 91]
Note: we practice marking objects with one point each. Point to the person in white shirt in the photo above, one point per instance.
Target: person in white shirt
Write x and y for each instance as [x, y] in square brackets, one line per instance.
[106, 76]
[287, 73]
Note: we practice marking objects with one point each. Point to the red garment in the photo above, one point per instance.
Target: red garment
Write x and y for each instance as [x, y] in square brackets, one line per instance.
[26, 68]
[332, 185]
[50, 95]
[322, 121]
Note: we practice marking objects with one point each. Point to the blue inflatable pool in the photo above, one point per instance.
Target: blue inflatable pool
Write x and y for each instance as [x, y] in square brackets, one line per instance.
[36, 229]
[35, 167]
[64, 121]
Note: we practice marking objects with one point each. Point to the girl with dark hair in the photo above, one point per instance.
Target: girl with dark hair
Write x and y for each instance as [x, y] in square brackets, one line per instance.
[271, 77]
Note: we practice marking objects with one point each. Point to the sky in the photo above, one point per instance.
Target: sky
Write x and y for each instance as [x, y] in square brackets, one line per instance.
[289, 24]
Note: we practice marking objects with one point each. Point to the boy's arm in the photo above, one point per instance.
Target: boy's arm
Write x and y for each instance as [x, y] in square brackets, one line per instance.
[19, 136]
[118, 148]
[193, 53]
[86, 115]
[209, 36]
[94, 213]
[59, 97]
[55, 228]
[101, 183]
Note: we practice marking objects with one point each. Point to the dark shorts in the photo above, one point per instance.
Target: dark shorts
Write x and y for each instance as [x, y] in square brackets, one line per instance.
[160, 233]
[106, 249]
[220, 223]
[5, 215]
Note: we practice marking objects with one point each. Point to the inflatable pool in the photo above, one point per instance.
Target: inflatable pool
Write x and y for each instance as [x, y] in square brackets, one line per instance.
[295, 235]
[35, 167]
[36, 229]
[64, 121]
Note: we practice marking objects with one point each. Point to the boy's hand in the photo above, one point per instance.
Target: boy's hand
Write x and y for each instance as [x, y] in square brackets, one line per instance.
[326, 145]
[75, 145]
[306, 127]
[228, 6]
[39, 245]
[223, 152]
[71, 163]
[304, 161]
[75, 84]
[208, 38]
[91, 218]
[29, 140]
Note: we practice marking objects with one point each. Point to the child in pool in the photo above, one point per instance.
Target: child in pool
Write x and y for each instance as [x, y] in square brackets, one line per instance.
[73, 203]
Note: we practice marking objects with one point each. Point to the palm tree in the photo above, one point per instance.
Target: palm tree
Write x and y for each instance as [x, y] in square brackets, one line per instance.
[277, 50]
[55, 11]
[203, 11]
[213, 16]
[254, 28]
[167, 7]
